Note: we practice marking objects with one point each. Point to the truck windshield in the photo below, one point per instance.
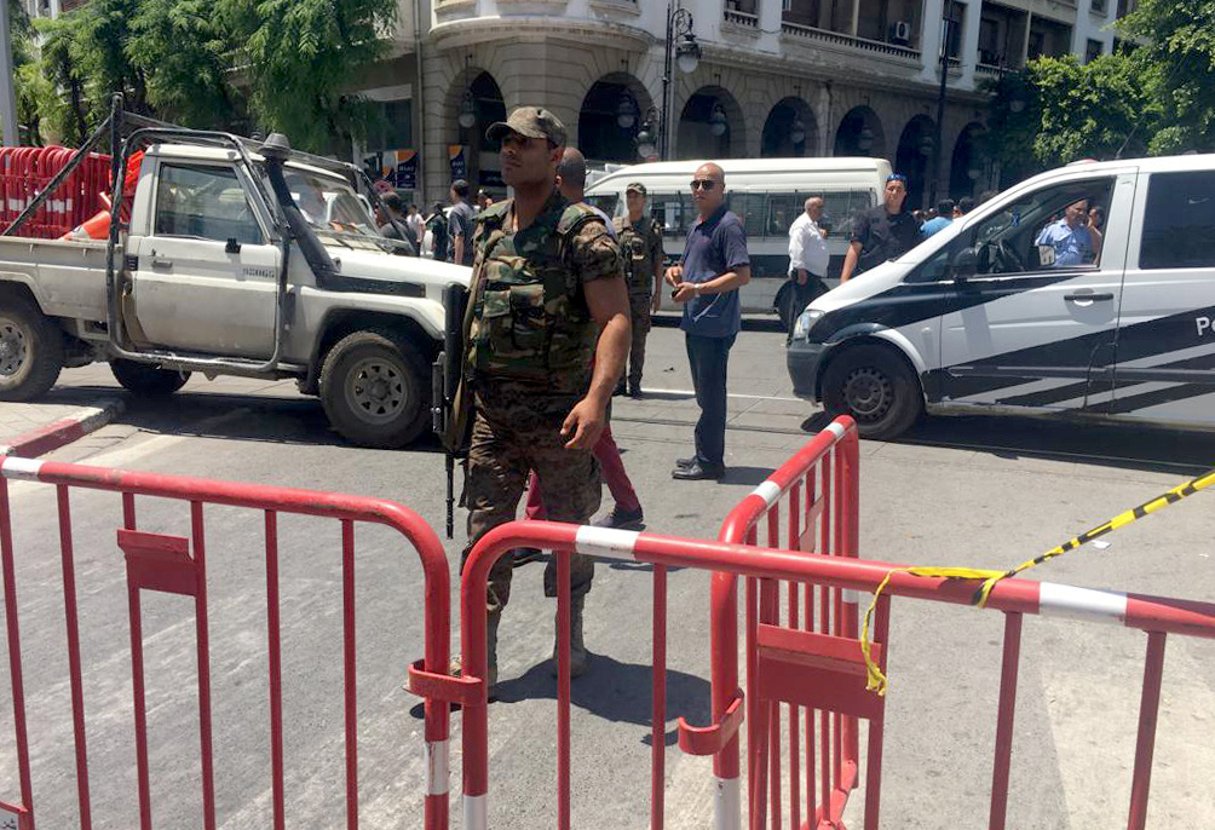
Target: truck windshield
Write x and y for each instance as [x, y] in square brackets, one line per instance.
[328, 203]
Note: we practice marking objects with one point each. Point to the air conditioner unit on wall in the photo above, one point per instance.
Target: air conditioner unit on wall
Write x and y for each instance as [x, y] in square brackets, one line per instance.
[900, 33]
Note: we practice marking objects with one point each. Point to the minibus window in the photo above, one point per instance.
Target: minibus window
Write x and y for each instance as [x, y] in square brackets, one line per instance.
[1179, 221]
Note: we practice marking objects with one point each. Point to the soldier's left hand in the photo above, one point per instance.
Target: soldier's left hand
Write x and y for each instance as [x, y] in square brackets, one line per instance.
[585, 423]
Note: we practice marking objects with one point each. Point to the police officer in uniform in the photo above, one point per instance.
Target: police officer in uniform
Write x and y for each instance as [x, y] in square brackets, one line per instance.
[641, 243]
[547, 295]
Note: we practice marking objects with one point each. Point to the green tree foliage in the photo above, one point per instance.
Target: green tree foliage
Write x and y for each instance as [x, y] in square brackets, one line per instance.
[1178, 39]
[185, 53]
[301, 55]
[283, 65]
[1103, 109]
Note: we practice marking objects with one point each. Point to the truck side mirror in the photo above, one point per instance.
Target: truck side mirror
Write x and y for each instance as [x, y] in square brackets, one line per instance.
[233, 247]
[965, 264]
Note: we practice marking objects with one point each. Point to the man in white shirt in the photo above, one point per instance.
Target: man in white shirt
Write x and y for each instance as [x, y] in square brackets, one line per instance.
[808, 259]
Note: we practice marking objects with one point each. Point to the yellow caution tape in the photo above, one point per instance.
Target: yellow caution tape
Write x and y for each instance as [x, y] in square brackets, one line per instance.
[877, 680]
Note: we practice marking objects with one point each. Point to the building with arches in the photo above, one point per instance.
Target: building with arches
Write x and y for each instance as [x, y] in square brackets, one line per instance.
[774, 78]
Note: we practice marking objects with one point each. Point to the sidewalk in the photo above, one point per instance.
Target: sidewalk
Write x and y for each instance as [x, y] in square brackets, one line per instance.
[68, 412]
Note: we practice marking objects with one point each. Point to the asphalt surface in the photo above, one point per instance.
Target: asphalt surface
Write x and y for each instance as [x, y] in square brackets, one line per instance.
[977, 491]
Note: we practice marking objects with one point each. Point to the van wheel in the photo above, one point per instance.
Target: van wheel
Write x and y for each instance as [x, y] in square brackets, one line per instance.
[876, 388]
[373, 390]
[31, 350]
[146, 379]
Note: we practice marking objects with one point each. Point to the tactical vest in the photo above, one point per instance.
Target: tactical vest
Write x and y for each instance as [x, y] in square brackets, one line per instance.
[638, 270]
[530, 319]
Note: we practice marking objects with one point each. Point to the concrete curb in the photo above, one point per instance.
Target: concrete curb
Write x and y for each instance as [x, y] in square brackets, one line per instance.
[60, 433]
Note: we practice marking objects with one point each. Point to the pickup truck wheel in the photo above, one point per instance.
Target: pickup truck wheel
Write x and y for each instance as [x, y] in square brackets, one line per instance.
[145, 379]
[876, 388]
[31, 350]
[374, 391]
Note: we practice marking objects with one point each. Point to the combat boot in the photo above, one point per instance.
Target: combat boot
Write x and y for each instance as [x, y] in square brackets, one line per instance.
[491, 644]
[579, 657]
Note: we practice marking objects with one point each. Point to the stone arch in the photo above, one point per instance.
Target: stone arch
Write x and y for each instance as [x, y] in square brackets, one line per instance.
[481, 165]
[601, 135]
[708, 110]
[914, 159]
[967, 166]
[860, 134]
[788, 117]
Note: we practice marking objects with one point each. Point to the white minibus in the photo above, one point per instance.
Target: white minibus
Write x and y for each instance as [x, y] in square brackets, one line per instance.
[767, 194]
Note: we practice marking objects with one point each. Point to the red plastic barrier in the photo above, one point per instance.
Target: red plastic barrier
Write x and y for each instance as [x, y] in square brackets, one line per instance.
[26, 171]
[818, 489]
[177, 564]
[1158, 616]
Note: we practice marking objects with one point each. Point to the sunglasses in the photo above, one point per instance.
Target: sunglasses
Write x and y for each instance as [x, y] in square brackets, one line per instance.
[703, 184]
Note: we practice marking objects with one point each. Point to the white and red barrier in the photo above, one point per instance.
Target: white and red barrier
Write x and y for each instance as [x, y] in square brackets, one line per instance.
[26, 171]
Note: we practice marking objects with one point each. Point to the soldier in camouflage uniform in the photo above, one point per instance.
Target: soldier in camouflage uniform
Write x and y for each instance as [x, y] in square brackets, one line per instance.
[548, 295]
[641, 243]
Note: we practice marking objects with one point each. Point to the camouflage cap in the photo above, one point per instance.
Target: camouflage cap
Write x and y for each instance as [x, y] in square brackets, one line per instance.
[529, 122]
[635, 187]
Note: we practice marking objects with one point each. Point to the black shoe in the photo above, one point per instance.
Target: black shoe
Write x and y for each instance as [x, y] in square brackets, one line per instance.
[685, 462]
[622, 519]
[635, 390]
[621, 388]
[522, 556]
[698, 472]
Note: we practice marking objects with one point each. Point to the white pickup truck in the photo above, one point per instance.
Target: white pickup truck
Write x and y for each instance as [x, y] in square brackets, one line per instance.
[236, 260]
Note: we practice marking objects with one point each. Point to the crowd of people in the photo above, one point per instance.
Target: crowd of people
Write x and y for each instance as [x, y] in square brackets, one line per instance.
[443, 234]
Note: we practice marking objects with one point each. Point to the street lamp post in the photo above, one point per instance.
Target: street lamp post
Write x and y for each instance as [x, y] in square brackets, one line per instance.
[946, 29]
[685, 55]
[8, 97]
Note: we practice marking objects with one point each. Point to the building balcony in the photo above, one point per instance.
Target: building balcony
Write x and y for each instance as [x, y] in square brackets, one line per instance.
[828, 37]
[746, 20]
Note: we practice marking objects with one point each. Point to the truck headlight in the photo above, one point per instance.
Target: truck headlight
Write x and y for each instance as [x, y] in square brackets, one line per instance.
[805, 322]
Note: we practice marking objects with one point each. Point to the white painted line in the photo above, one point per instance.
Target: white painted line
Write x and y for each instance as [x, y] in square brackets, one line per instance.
[436, 754]
[769, 491]
[21, 469]
[726, 805]
[739, 395]
[606, 542]
[1057, 600]
[476, 815]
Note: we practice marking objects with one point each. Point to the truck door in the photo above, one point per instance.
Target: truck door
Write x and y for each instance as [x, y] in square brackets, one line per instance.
[205, 279]
[1032, 329]
[1166, 332]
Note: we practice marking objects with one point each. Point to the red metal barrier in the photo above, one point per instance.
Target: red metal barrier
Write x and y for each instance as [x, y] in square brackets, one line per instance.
[162, 563]
[1014, 597]
[818, 489]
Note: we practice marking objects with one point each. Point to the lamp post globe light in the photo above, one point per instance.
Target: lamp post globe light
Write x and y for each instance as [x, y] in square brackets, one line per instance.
[797, 132]
[682, 50]
[468, 111]
[647, 139]
[717, 121]
[626, 111]
[864, 140]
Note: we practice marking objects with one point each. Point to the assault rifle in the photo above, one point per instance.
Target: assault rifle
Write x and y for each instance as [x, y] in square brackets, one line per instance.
[451, 402]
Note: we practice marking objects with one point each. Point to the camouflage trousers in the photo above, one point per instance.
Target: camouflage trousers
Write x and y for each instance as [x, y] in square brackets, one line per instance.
[515, 431]
[639, 312]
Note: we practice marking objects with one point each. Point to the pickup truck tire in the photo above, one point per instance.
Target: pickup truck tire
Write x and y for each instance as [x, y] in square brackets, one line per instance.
[374, 390]
[31, 350]
[876, 387]
[145, 379]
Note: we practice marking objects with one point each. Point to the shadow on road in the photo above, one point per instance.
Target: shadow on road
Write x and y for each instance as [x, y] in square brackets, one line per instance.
[614, 691]
[1115, 445]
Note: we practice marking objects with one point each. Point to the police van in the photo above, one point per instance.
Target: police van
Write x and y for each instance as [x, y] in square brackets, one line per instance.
[767, 195]
[981, 317]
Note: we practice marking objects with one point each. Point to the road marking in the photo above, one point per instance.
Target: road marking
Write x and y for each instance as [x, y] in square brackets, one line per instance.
[691, 393]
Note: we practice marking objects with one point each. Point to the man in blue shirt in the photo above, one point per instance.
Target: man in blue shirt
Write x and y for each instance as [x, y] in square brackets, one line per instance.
[1069, 237]
[943, 220]
[714, 266]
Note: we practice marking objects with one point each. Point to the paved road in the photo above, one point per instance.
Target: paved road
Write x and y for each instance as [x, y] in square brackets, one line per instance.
[977, 491]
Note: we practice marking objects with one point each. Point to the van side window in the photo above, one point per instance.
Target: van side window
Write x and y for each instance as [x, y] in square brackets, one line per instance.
[606, 202]
[674, 211]
[1045, 229]
[1179, 221]
[204, 202]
